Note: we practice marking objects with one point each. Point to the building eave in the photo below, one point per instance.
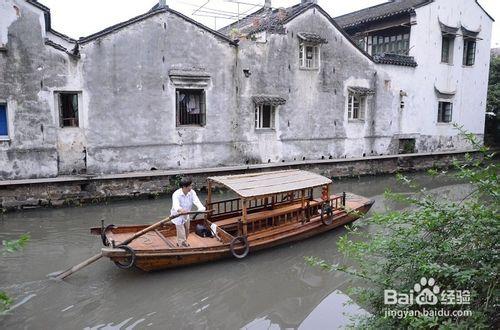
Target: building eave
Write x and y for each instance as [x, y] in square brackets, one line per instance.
[63, 36]
[409, 10]
[61, 48]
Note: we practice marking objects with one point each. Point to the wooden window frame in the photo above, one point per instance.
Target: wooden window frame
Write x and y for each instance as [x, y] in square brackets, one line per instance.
[7, 136]
[259, 118]
[68, 122]
[442, 117]
[393, 44]
[470, 46]
[356, 113]
[447, 47]
[306, 64]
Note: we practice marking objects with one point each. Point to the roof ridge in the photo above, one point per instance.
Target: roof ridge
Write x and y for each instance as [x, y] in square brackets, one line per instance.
[120, 25]
[146, 15]
[380, 11]
[363, 9]
[248, 16]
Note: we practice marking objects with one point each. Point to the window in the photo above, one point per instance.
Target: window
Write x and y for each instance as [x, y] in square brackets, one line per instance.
[469, 52]
[190, 107]
[445, 112]
[360, 41]
[68, 109]
[309, 56]
[447, 49]
[393, 44]
[356, 105]
[4, 125]
[265, 116]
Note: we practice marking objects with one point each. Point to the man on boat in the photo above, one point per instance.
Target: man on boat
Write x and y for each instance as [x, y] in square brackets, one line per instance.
[182, 202]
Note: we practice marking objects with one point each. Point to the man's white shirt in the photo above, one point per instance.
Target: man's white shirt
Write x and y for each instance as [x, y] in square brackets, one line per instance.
[186, 202]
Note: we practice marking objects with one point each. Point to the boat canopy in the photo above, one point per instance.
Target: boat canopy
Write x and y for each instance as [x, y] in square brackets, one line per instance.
[268, 183]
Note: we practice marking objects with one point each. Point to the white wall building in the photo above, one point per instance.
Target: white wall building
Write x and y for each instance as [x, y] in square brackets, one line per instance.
[450, 43]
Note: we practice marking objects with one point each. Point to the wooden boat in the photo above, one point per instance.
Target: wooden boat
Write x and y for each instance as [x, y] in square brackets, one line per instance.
[270, 209]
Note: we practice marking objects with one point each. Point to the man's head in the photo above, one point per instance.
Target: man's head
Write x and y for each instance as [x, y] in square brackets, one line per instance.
[186, 185]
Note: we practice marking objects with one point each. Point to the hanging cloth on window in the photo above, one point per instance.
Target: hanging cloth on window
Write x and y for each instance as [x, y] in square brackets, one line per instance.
[193, 106]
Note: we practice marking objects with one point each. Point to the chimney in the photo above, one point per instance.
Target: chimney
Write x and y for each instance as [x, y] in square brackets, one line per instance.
[267, 4]
[309, 1]
[162, 3]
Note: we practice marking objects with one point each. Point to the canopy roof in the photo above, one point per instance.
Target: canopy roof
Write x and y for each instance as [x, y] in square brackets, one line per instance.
[268, 183]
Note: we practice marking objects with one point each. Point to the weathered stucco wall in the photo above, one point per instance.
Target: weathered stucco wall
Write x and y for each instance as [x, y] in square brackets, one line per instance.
[29, 72]
[127, 119]
[131, 122]
[313, 122]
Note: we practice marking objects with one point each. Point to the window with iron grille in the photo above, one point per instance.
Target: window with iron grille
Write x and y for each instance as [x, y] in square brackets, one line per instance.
[469, 52]
[4, 124]
[356, 106]
[190, 107]
[309, 56]
[447, 49]
[445, 111]
[68, 109]
[265, 116]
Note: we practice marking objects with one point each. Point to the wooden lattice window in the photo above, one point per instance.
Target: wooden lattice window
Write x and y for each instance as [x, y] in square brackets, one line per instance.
[445, 111]
[469, 52]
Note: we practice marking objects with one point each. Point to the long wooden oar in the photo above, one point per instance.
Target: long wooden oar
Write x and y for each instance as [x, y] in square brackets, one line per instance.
[74, 269]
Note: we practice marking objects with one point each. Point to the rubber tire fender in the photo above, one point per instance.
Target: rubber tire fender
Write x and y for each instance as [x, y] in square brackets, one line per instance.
[104, 239]
[244, 240]
[131, 263]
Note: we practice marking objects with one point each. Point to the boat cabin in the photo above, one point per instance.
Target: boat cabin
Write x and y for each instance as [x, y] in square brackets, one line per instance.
[269, 200]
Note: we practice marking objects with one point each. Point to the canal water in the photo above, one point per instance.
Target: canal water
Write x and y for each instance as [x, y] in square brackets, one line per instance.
[273, 289]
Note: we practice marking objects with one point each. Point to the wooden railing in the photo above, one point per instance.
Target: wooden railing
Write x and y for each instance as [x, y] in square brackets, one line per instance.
[233, 206]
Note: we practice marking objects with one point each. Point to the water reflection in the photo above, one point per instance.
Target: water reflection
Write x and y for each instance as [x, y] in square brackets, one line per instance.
[270, 289]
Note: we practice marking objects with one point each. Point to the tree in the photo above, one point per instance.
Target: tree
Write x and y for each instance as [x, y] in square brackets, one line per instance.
[456, 244]
[10, 247]
[492, 134]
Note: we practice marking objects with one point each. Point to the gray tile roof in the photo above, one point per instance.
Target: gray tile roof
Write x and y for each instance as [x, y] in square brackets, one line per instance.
[266, 19]
[445, 29]
[268, 99]
[381, 11]
[361, 90]
[312, 37]
[395, 59]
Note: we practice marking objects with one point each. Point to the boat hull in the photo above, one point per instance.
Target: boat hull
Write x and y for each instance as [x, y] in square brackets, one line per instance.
[152, 260]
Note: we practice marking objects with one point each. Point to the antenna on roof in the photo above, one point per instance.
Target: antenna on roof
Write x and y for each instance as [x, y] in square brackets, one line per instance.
[239, 2]
[203, 5]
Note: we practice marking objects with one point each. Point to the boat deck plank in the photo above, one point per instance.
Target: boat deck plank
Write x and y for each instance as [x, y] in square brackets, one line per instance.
[148, 241]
